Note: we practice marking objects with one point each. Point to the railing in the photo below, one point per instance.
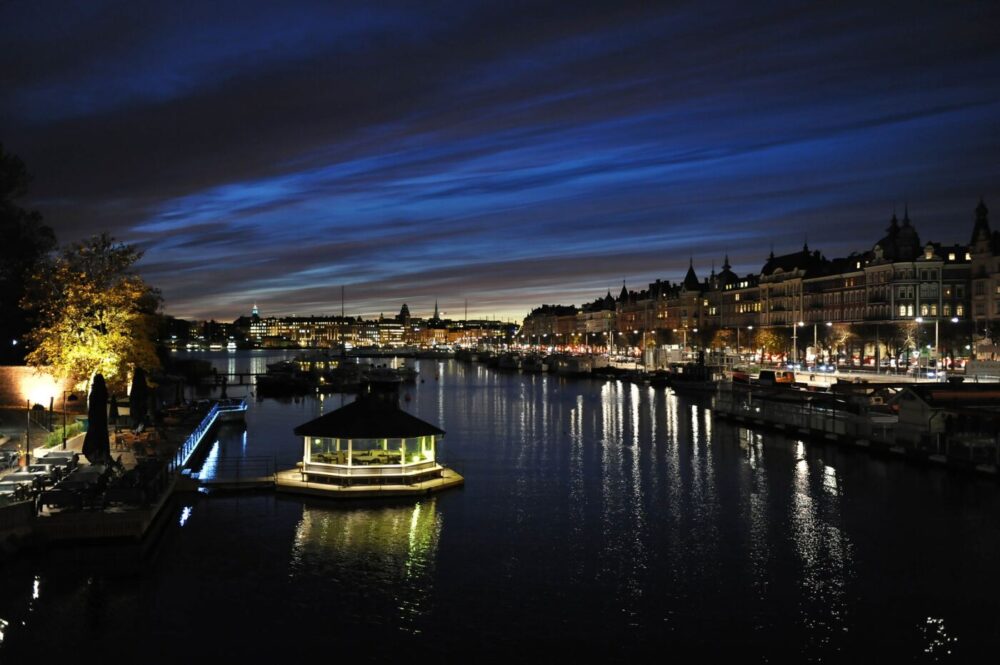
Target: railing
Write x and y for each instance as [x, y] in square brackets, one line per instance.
[823, 419]
[184, 453]
[40, 418]
[359, 471]
[239, 468]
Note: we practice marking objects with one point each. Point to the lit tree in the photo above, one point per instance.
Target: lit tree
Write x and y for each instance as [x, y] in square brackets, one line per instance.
[94, 313]
[722, 338]
[769, 340]
[842, 336]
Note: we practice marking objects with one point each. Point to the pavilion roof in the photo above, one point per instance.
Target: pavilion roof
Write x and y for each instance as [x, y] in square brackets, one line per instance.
[368, 417]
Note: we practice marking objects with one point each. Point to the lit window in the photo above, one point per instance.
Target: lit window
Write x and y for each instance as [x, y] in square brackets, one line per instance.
[968, 257]
[951, 256]
[959, 310]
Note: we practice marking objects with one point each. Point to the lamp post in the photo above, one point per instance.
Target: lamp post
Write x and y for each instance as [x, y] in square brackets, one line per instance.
[71, 398]
[795, 341]
[937, 361]
[683, 331]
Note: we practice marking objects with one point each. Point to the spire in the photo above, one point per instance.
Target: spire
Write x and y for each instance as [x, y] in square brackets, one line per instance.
[255, 312]
[623, 296]
[436, 315]
[691, 282]
[725, 263]
[981, 229]
[906, 214]
[893, 223]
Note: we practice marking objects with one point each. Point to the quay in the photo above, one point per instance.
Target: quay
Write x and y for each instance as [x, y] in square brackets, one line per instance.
[78, 509]
[951, 425]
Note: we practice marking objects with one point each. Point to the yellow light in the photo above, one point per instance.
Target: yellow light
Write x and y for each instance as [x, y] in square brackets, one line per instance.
[39, 388]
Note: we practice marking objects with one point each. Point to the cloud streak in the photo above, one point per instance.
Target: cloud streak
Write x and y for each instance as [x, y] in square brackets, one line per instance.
[506, 154]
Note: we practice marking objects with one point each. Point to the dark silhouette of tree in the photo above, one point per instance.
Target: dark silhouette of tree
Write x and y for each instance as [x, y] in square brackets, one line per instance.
[26, 240]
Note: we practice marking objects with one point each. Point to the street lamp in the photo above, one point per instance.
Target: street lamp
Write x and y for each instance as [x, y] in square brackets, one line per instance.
[795, 341]
[937, 360]
[683, 331]
[68, 396]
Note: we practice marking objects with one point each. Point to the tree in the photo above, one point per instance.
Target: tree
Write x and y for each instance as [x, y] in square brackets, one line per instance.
[95, 315]
[769, 340]
[26, 241]
[722, 338]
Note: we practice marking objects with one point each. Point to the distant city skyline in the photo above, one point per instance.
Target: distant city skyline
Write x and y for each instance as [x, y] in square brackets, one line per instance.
[511, 155]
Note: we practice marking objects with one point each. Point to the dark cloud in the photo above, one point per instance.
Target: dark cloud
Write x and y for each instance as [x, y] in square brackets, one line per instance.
[507, 153]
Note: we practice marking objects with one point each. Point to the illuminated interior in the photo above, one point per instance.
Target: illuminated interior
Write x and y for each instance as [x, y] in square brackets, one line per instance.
[387, 452]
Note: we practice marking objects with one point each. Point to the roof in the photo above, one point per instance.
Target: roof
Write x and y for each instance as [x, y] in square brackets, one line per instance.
[958, 395]
[368, 417]
[690, 279]
[811, 263]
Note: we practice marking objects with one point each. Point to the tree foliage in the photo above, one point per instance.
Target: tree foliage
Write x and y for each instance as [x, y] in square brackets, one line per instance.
[769, 340]
[95, 315]
[722, 338]
[26, 241]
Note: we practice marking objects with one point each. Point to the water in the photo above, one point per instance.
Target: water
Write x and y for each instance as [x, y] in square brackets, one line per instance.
[602, 521]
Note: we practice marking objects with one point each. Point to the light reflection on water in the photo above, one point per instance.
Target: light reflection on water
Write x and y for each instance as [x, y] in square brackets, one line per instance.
[598, 519]
[388, 547]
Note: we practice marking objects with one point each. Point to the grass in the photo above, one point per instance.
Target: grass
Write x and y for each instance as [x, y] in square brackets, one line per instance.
[55, 438]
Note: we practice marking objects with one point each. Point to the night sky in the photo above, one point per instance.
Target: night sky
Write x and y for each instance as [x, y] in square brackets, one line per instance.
[506, 153]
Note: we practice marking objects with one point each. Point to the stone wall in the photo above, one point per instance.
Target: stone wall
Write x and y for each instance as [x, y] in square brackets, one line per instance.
[19, 384]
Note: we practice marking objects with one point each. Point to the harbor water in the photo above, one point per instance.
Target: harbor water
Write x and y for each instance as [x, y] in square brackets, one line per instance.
[602, 521]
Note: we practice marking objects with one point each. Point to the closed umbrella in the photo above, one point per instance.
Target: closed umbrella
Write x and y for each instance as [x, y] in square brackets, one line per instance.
[138, 400]
[95, 444]
[113, 413]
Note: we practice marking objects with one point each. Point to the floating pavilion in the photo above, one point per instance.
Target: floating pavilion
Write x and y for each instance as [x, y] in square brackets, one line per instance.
[370, 447]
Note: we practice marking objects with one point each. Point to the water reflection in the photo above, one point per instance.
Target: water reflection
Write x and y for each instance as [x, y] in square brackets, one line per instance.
[603, 519]
[824, 553]
[387, 548]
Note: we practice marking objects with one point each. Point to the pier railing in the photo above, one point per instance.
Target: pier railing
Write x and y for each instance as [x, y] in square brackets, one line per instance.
[186, 450]
[250, 468]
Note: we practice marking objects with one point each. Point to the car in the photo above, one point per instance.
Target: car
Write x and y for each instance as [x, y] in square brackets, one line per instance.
[920, 372]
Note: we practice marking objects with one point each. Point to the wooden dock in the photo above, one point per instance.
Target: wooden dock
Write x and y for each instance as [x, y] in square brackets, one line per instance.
[290, 481]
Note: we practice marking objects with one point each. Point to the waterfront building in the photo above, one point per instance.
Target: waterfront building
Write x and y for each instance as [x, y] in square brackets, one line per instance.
[899, 296]
[984, 255]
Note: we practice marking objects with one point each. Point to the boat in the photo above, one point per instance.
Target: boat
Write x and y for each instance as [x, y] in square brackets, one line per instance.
[567, 365]
[284, 383]
[437, 353]
[510, 361]
[534, 363]
[282, 366]
[693, 378]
